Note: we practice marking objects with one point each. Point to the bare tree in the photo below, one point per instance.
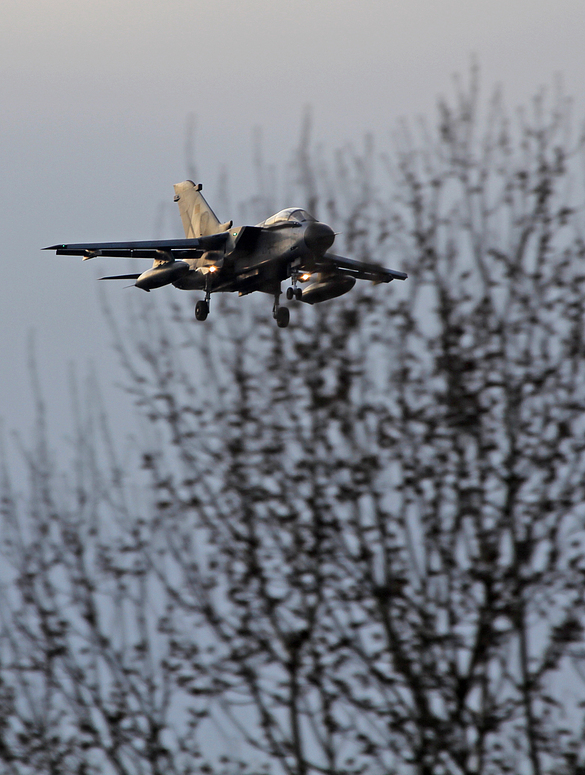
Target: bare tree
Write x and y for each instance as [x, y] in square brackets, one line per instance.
[357, 544]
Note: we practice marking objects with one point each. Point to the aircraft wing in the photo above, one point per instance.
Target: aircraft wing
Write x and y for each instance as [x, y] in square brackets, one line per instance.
[180, 248]
[361, 270]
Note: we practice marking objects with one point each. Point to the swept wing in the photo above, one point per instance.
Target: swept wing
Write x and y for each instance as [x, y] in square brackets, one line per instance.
[179, 248]
[361, 270]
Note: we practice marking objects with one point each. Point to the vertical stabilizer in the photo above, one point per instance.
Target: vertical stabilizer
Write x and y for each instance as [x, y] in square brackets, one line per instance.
[198, 218]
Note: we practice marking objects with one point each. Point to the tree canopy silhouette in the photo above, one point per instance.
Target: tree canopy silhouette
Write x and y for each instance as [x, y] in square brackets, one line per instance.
[356, 545]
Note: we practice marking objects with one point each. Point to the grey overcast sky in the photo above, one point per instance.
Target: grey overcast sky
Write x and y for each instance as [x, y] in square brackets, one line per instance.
[94, 96]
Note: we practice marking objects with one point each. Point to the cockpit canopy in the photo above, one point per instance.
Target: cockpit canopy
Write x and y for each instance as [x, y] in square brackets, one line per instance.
[290, 214]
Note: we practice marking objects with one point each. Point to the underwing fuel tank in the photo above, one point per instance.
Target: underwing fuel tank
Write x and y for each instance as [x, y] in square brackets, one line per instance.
[327, 287]
[164, 274]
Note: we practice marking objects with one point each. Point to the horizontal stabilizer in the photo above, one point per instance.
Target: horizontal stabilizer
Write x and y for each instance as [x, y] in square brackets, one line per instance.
[120, 277]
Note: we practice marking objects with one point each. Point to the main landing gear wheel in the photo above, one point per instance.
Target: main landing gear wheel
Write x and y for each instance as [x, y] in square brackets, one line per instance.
[282, 317]
[201, 310]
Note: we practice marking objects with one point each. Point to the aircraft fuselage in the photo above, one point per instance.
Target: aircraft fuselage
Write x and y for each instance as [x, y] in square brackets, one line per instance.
[216, 257]
[258, 258]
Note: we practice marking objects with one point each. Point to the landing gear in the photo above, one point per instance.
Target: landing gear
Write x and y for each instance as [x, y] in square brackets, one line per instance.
[293, 292]
[282, 317]
[202, 306]
[280, 314]
[201, 309]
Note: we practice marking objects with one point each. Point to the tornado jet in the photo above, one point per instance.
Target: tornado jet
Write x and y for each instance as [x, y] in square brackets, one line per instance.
[289, 247]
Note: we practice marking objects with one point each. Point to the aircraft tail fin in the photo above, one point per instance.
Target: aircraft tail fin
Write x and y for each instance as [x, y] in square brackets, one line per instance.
[198, 218]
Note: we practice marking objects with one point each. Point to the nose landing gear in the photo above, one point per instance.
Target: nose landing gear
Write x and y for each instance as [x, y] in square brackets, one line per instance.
[293, 292]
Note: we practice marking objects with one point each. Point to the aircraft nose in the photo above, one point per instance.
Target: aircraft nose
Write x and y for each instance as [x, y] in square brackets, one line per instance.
[319, 237]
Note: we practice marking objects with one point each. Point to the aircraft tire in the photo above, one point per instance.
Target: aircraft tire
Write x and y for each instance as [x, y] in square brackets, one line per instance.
[201, 310]
[298, 294]
[282, 317]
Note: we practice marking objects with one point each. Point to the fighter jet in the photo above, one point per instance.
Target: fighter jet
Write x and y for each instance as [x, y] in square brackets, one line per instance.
[213, 257]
